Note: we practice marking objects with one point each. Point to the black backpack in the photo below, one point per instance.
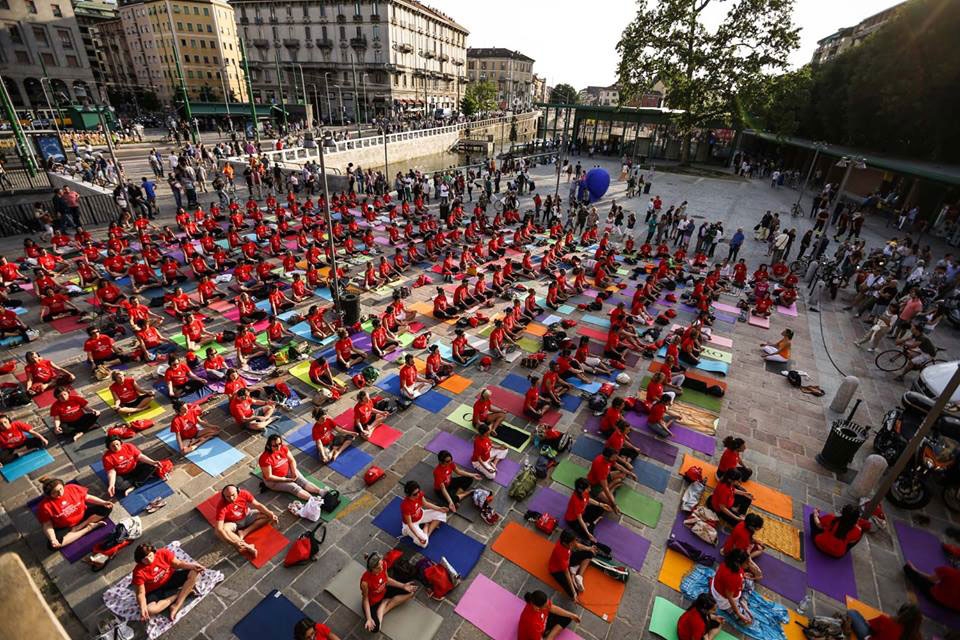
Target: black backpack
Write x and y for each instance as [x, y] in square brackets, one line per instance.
[12, 397]
[551, 342]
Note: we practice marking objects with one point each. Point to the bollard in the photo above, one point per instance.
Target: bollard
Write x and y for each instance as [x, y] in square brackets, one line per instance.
[844, 394]
[866, 481]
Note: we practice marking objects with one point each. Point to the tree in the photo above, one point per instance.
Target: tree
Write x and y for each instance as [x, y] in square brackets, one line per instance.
[479, 97]
[563, 94]
[776, 104]
[704, 70]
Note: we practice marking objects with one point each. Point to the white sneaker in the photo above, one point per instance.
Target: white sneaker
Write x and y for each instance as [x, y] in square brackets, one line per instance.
[578, 581]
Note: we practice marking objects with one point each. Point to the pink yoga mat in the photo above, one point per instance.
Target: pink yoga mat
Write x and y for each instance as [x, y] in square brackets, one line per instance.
[513, 403]
[789, 311]
[720, 341]
[728, 308]
[494, 610]
[757, 321]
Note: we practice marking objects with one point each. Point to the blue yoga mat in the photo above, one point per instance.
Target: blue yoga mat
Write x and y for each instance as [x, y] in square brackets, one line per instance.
[446, 351]
[596, 320]
[706, 364]
[389, 384]
[273, 617]
[351, 462]
[143, 495]
[432, 401]
[302, 330]
[591, 387]
[302, 438]
[214, 456]
[462, 551]
[324, 292]
[283, 424]
[286, 315]
[571, 402]
[648, 473]
[264, 305]
[25, 464]
[516, 383]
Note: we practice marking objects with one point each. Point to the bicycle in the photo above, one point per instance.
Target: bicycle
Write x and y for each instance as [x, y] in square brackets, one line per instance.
[796, 210]
[896, 359]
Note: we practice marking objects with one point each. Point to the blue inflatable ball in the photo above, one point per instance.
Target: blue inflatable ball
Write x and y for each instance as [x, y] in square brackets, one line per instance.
[598, 181]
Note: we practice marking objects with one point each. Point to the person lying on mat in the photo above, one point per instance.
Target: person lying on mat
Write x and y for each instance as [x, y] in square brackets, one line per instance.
[743, 537]
[541, 619]
[190, 427]
[17, 439]
[126, 466]
[180, 378]
[835, 535]
[307, 629]
[235, 519]
[451, 484]
[68, 512]
[380, 594]
[420, 517]
[101, 349]
[128, 396]
[347, 355]
[43, 374]
[728, 500]
[55, 305]
[659, 420]
[778, 351]
[251, 413]
[583, 511]
[161, 581]
[605, 476]
[568, 561]
[280, 472]
[366, 416]
[732, 457]
[700, 621]
[486, 456]
[942, 586]
[552, 387]
[71, 417]
[726, 586]
[485, 415]
[462, 351]
[382, 341]
[331, 439]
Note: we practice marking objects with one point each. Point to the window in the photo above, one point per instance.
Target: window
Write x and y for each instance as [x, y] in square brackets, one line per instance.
[306, 12]
[359, 32]
[190, 73]
[289, 10]
[57, 11]
[209, 75]
[40, 35]
[206, 60]
[48, 59]
[179, 26]
[23, 57]
[375, 9]
[323, 32]
[323, 11]
[72, 61]
[15, 36]
[193, 43]
[31, 6]
[203, 44]
[206, 11]
[209, 28]
[343, 32]
[66, 41]
[190, 27]
[176, 8]
[216, 61]
[183, 42]
[377, 56]
[196, 11]
[276, 33]
[306, 32]
[376, 32]
[356, 8]
[186, 58]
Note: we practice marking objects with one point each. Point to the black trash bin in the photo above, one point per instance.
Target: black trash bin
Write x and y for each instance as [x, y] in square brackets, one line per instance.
[843, 442]
[350, 304]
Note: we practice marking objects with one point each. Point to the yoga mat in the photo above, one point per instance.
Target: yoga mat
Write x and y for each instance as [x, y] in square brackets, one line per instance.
[152, 411]
[384, 435]
[84, 545]
[590, 332]
[596, 320]
[462, 551]
[515, 382]
[675, 566]
[635, 505]
[649, 446]
[462, 451]
[764, 497]
[351, 462]
[696, 440]
[627, 547]
[140, 497]
[508, 435]
[213, 456]
[769, 617]
[432, 401]
[326, 517]
[830, 576]
[495, 611]
[717, 354]
[530, 551]
[455, 384]
[711, 366]
[648, 474]
[719, 341]
[695, 398]
[422, 474]
[410, 621]
[863, 608]
[273, 617]
[586, 387]
[267, 540]
[68, 324]
[513, 403]
[570, 402]
[535, 329]
[529, 345]
[789, 311]
[25, 464]
[282, 425]
[693, 374]
[728, 308]
[924, 550]
[757, 321]
[664, 617]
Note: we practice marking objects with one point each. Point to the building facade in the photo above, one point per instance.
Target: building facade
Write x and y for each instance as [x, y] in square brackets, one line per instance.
[91, 14]
[600, 96]
[189, 41]
[849, 37]
[42, 55]
[510, 71]
[354, 60]
[118, 68]
[538, 89]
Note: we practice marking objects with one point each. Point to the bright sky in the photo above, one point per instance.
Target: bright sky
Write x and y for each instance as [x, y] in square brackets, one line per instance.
[575, 42]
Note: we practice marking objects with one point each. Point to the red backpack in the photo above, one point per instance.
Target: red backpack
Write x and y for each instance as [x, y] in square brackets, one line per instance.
[306, 547]
[436, 578]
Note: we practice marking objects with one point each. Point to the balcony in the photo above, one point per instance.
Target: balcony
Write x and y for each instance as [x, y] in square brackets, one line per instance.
[357, 17]
[273, 20]
[405, 48]
[428, 54]
[308, 44]
[291, 43]
[261, 43]
[443, 57]
[341, 18]
[325, 43]
[359, 42]
[374, 17]
[244, 20]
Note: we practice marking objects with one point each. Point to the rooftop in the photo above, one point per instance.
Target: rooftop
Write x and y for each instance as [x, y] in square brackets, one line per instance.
[497, 52]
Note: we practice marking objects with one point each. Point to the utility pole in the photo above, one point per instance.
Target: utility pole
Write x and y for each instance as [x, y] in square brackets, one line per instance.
[340, 98]
[817, 146]
[253, 107]
[334, 278]
[308, 118]
[23, 148]
[326, 81]
[356, 98]
[194, 129]
[283, 106]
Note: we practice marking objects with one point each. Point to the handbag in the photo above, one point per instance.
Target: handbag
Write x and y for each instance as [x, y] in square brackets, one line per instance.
[546, 523]
[331, 500]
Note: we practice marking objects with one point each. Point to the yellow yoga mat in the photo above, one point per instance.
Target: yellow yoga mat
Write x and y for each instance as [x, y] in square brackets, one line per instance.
[675, 566]
[153, 411]
[865, 610]
[764, 498]
[792, 630]
[776, 534]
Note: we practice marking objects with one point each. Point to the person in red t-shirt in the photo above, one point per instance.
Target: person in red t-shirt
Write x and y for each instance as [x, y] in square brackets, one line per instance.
[347, 354]
[905, 626]
[190, 428]
[152, 341]
[942, 586]
[700, 621]
[659, 420]
[568, 560]
[101, 349]
[486, 457]
[17, 439]
[251, 413]
[366, 417]
[584, 512]
[307, 629]
[743, 537]
[126, 466]
[835, 535]
[605, 476]
[418, 516]
[238, 515]
[71, 417]
[726, 586]
[382, 340]
[412, 384]
[731, 458]
[68, 512]
[728, 500]
[541, 618]
[43, 374]
[180, 378]
[55, 305]
[331, 439]
[379, 593]
[162, 581]
[485, 414]
[128, 396]
[280, 472]
[534, 406]
[451, 484]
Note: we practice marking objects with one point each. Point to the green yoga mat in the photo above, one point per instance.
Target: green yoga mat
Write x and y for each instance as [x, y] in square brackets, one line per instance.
[463, 414]
[717, 354]
[181, 340]
[663, 620]
[529, 345]
[695, 398]
[326, 517]
[635, 505]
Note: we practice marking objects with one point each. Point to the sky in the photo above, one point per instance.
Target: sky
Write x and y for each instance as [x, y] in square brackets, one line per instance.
[578, 46]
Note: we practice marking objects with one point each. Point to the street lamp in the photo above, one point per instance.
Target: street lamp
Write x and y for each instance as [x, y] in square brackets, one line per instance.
[326, 82]
[303, 90]
[849, 164]
[326, 143]
[366, 104]
[817, 148]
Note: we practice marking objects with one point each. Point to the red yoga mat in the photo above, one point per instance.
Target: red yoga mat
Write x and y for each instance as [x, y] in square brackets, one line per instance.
[513, 403]
[268, 541]
[383, 436]
[68, 324]
[596, 334]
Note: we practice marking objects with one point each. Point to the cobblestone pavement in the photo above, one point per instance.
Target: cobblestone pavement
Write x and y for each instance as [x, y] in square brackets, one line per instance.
[784, 430]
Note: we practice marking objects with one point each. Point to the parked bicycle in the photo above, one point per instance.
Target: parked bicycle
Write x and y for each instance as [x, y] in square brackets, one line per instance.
[896, 359]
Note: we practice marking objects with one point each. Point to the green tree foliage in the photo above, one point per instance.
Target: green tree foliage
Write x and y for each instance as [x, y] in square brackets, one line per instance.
[775, 103]
[479, 97]
[703, 69]
[563, 94]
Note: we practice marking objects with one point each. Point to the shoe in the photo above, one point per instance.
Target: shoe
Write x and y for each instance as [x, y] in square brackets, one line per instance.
[578, 582]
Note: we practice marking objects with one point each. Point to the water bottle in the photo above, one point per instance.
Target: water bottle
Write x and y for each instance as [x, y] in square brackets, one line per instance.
[804, 605]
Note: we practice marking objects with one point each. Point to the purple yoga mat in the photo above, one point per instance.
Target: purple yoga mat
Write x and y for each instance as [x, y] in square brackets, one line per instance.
[831, 576]
[681, 435]
[778, 576]
[630, 358]
[362, 341]
[628, 547]
[651, 447]
[80, 548]
[924, 550]
[462, 451]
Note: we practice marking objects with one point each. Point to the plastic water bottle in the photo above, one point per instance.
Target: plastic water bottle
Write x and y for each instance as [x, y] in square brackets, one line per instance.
[804, 605]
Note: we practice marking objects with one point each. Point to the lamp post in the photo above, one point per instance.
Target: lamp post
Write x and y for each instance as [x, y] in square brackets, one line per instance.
[340, 99]
[326, 81]
[23, 147]
[316, 103]
[334, 278]
[850, 164]
[303, 88]
[366, 104]
[283, 106]
[253, 106]
[817, 147]
[356, 97]
[386, 171]
[226, 98]
[195, 129]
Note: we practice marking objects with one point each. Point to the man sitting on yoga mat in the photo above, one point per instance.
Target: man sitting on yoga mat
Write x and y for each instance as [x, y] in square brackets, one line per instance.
[568, 560]
[180, 378]
[726, 586]
[835, 535]
[331, 439]
[728, 500]
[419, 516]
[71, 417]
[451, 483]
[483, 413]
[161, 581]
[485, 456]
[128, 396]
[251, 413]
[126, 467]
[605, 476]
[700, 621]
[584, 512]
[68, 512]
[43, 374]
[235, 521]
[412, 384]
[743, 537]
[462, 351]
[307, 629]
[541, 619]
[380, 593]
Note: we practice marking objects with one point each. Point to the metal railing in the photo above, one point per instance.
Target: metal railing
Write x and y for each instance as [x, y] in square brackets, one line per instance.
[20, 180]
[17, 219]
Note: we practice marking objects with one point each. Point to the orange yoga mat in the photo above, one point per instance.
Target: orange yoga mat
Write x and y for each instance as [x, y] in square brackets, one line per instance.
[426, 309]
[530, 551]
[691, 374]
[765, 498]
[268, 541]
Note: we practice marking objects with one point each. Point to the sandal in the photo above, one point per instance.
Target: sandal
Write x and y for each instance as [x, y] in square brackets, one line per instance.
[813, 390]
[155, 506]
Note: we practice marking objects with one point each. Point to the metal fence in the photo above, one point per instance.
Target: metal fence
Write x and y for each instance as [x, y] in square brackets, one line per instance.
[18, 219]
[20, 180]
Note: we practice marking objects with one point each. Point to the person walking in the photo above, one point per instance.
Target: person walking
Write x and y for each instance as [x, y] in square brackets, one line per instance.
[735, 243]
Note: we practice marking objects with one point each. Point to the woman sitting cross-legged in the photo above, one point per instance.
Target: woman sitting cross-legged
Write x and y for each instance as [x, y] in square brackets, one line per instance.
[67, 512]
